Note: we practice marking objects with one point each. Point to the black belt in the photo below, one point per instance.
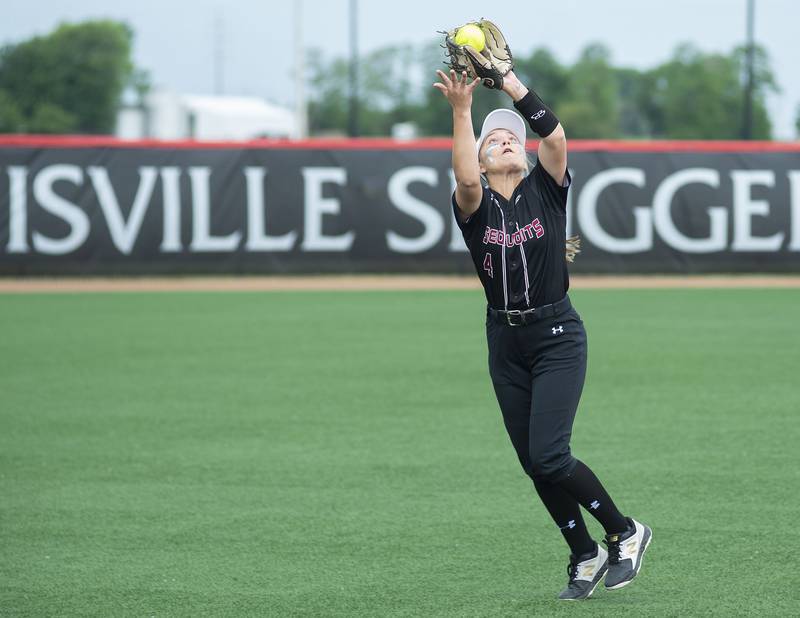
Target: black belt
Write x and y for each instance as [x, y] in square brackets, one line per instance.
[516, 317]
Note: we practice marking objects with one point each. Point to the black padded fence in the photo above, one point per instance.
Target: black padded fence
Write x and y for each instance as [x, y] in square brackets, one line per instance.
[319, 207]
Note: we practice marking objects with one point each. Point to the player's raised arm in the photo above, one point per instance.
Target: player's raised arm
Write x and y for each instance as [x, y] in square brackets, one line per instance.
[481, 48]
[553, 145]
[458, 92]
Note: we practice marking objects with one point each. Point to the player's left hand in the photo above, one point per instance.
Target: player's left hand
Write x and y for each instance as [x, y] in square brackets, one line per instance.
[490, 64]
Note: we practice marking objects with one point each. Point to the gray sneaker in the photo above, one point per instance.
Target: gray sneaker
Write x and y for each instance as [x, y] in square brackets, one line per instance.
[625, 552]
[585, 572]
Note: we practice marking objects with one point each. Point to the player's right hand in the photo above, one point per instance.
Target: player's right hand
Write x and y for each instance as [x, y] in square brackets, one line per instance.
[458, 91]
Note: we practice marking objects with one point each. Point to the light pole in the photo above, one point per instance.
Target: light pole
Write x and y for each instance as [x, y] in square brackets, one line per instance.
[747, 114]
[300, 106]
[352, 116]
[219, 52]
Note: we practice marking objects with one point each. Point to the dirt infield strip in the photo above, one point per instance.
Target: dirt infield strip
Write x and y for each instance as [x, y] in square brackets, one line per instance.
[371, 282]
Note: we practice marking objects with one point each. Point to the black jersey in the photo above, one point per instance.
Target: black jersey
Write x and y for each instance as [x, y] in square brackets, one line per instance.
[518, 246]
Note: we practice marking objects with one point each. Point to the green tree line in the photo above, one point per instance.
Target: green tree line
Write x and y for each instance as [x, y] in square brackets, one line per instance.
[693, 95]
[72, 80]
[69, 81]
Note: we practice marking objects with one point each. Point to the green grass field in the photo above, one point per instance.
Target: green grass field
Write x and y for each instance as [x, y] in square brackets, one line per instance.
[342, 454]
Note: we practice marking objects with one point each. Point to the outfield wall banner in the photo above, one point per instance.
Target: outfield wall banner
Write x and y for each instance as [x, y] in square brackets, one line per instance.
[100, 206]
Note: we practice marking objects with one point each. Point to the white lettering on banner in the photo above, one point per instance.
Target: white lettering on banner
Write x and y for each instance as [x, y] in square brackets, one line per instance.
[202, 240]
[123, 234]
[730, 226]
[457, 243]
[170, 186]
[421, 211]
[257, 237]
[745, 208]
[794, 201]
[49, 200]
[665, 224]
[315, 207]
[18, 210]
[587, 213]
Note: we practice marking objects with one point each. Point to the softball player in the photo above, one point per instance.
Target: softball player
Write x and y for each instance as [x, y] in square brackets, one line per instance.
[515, 230]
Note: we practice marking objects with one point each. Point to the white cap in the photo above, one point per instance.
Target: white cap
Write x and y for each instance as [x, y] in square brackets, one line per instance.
[503, 119]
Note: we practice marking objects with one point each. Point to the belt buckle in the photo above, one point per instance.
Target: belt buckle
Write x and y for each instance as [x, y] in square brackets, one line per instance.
[514, 312]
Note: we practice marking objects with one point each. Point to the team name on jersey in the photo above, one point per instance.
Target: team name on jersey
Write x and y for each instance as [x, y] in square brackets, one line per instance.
[493, 236]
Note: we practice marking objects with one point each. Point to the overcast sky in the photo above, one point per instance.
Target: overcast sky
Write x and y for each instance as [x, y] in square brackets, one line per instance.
[175, 39]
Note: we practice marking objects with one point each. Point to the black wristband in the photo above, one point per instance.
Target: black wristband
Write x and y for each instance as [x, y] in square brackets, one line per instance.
[541, 118]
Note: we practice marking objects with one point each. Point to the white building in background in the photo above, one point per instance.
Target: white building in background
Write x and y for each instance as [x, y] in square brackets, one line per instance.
[170, 116]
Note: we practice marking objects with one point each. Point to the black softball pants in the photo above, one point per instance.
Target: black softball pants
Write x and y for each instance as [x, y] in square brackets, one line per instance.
[538, 371]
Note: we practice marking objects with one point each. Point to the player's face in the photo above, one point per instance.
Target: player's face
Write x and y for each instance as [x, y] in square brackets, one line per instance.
[501, 153]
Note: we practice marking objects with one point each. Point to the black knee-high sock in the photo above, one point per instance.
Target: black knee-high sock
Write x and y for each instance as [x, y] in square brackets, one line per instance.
[586, 488]
[566, 512]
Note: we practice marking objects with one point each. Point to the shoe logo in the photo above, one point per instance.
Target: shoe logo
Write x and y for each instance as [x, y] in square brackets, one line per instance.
[558, 331]
[631, 548]
[588, 571]
[594, 505]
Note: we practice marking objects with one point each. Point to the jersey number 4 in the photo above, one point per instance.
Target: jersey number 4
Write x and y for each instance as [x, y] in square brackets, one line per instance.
[487, 265]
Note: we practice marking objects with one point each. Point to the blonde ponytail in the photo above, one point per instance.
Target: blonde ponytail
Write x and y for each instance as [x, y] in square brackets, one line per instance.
[573, 247]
